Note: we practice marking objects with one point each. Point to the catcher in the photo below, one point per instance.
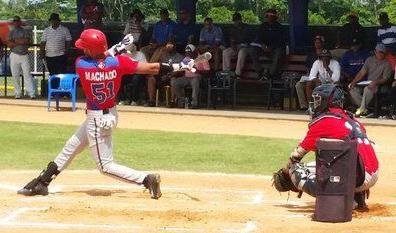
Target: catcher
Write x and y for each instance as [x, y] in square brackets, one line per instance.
[329, 120]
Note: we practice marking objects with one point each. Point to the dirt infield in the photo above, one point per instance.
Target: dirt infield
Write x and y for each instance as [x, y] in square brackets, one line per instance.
[85, 201]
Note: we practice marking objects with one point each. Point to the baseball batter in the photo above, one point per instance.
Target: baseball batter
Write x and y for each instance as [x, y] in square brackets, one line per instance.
[329, 120]
[100, 76]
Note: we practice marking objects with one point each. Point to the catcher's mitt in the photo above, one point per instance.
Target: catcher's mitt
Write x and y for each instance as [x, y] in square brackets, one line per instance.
[282, 182]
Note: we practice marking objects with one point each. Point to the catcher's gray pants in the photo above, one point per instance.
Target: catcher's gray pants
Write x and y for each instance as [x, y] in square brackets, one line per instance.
[303, 177]
[180, 83]
[362, 100]
[100, 143]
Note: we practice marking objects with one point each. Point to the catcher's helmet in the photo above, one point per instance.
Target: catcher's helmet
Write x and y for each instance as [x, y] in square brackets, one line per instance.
[326, 96]
[92, 40]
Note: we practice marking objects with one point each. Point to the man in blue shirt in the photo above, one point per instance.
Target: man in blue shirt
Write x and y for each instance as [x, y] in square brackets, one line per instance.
[162, 33]
[185, 31]
[210, 39]
[353, 60]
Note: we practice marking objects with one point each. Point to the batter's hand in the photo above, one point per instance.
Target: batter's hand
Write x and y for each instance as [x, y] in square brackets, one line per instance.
[107, 121]
[121, 46]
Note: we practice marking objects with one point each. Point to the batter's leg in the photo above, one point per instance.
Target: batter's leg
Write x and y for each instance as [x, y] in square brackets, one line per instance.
[101, 146]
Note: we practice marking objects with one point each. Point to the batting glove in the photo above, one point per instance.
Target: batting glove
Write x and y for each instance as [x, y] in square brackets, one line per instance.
[107, 121]
[121, 46]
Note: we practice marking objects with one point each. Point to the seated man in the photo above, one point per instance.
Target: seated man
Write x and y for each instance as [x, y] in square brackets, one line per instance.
[378, 71]
[186, 31]
[210, 40]
[324, 70]
[270, 42]
[393, 99]
[168, 56]
[131, 84]
[193, 79]
[162, 33]
[330, 121]
[353, 61]
[239, 38]
[301, 85]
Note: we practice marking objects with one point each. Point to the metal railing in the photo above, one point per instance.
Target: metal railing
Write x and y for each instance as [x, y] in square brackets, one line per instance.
[37, 65]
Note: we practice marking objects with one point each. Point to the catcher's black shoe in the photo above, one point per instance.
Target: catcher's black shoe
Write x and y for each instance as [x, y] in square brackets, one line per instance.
[360, 199]
[152, 183]
[31, 190]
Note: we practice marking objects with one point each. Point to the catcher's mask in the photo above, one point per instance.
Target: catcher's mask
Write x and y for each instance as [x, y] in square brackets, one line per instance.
[326, 96]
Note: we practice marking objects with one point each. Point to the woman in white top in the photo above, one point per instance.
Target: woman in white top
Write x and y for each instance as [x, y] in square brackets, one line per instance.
[136, 26]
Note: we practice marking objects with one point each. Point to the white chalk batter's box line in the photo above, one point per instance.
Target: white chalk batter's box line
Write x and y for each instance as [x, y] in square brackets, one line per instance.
[10, 222]
[254, 197]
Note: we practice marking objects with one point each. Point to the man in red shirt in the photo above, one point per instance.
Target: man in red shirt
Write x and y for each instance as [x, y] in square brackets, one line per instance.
[330, 121]
[100, 75]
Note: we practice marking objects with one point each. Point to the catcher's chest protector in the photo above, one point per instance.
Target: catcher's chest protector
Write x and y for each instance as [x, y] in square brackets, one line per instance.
[335, 180]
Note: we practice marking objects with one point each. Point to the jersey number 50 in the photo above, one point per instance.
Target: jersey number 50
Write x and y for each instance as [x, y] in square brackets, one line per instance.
[103, 91]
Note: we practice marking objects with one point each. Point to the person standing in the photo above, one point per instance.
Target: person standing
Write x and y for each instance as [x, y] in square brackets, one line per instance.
[100, 70]
[54, 45]
[92, 14]
[19, 40]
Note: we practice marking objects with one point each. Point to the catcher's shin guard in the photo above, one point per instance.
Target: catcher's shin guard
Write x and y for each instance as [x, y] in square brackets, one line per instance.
[303, 178]
[39, 185]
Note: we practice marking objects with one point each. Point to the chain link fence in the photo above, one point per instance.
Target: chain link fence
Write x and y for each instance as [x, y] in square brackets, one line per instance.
[37, 66]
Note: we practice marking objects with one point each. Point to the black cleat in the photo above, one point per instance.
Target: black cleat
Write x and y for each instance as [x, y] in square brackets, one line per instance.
[152, 183]
[39, 189]
[360, 199]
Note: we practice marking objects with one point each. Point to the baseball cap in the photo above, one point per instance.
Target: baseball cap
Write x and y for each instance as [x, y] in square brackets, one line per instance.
[353, 14]
[380, 48]
[325, 53]
[16, 18]
[164, 11]
[383, 15]
[319, 37]
[190, 48]
[54, 16]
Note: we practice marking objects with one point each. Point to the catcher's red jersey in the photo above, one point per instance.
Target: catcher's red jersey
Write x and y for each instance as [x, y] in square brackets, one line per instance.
[338, 128]
[101, 79]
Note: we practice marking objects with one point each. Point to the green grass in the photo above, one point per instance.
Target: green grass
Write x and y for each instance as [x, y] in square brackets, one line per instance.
[32, 146]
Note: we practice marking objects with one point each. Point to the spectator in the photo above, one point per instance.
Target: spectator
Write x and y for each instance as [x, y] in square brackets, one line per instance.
[91, 14]
[186, 31]
[350, 31]
[386, 35]
[269, 42]
[162, 33]
[239, 38]
[55, 42]
[378, 71]
[301, 86]
[136, 27]
[353, 61]
[189, 79]
[131, 84]
[168, 56]
[19, 40]
[393, 99]
[324, 70]
[210, 39]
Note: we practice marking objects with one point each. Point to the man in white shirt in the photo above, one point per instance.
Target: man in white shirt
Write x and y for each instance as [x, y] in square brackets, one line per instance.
[54, 44]
[324, 70]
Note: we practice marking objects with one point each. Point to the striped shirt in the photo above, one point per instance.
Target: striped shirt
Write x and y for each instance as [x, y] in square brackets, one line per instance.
[55, 40]
[387, 36]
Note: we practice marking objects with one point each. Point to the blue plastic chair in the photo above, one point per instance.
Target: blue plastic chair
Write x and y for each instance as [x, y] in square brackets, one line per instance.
[67, 85]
